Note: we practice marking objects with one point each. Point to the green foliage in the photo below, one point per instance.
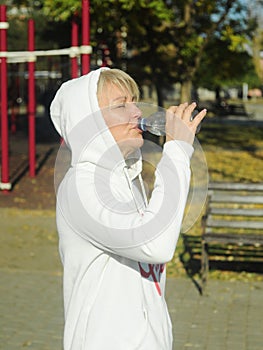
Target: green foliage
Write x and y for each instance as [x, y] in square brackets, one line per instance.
[167, 41]
[222, 66]
[61, 10]
[236, 42]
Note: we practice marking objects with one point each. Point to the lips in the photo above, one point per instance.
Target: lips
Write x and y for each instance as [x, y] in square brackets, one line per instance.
[135, 127]
[135, 124]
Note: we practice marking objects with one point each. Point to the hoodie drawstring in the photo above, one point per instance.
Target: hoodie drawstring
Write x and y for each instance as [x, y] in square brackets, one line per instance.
[143, 192]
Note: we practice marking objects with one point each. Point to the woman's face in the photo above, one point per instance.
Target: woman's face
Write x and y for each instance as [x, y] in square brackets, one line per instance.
[121, 115]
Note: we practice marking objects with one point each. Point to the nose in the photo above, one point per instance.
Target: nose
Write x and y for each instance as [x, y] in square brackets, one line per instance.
[136, 113]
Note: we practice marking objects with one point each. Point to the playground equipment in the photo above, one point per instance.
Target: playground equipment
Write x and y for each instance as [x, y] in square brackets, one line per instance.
[30, 56]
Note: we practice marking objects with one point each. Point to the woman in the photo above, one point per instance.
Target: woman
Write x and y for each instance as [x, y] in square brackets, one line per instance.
[113, 243]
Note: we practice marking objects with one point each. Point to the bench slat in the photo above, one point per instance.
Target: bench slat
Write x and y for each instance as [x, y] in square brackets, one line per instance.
[235, 186]
[241, 259]
[228, 198]
[235, 239]
[232, 250]
[234, 224]
[236, 211]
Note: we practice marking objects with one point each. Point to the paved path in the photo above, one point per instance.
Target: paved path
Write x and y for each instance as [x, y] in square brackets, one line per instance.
[229, 317]
[31, 310]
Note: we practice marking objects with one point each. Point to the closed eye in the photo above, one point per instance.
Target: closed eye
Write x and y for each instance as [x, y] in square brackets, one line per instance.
[118, 103]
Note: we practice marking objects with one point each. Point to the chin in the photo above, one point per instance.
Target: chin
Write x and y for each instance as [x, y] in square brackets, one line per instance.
[137, 142]
[131, 146]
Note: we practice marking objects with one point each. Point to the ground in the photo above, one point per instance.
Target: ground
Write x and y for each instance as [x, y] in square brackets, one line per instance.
[31, 192]
[28, 237]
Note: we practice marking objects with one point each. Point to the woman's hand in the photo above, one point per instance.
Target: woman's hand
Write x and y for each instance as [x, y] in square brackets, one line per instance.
[179, 122]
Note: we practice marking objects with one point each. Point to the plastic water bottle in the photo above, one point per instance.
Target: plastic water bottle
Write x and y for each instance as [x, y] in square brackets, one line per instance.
[155, 123]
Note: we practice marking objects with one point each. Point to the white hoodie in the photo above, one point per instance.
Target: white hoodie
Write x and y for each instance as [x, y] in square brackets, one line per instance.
[113, 244]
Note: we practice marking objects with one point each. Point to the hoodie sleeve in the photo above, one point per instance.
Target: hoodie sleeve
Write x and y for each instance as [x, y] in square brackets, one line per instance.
[151, 237]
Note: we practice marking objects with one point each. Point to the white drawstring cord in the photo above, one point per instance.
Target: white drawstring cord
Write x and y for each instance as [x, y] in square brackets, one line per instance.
[145, 199]
[132, 192]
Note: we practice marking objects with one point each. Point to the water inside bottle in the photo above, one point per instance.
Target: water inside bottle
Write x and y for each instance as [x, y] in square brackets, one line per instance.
[155, 123]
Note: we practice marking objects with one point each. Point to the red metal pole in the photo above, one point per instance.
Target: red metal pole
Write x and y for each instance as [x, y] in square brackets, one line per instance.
[74, 43]
[5, 184]
[31, 101]
[85, 37]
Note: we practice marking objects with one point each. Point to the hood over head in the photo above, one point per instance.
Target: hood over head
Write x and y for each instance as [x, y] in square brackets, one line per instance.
[76, 116]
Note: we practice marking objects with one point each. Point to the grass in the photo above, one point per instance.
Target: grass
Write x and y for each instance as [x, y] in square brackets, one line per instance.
[233, 153]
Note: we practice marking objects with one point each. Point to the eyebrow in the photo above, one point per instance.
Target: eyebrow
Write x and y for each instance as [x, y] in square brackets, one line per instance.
[120, 98]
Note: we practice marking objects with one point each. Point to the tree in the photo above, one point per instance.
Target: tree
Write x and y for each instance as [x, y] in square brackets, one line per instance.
[255, 13]
[205, 24]
[257, 48]
[162, 41]
[224, 70]
[172, 38]
[49, 33]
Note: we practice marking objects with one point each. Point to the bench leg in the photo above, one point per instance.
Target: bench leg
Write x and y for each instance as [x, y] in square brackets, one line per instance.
[204, 265]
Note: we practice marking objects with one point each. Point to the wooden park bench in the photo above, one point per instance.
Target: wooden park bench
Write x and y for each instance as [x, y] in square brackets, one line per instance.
[239, 109]
[234, 109]
[232, 225]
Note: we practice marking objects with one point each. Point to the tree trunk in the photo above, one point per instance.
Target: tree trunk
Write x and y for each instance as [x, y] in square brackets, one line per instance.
[159, 95]
[186, 89]
[256, 53]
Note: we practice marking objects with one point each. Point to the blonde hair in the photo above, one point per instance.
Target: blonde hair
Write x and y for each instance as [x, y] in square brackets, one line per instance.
[120, 79]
